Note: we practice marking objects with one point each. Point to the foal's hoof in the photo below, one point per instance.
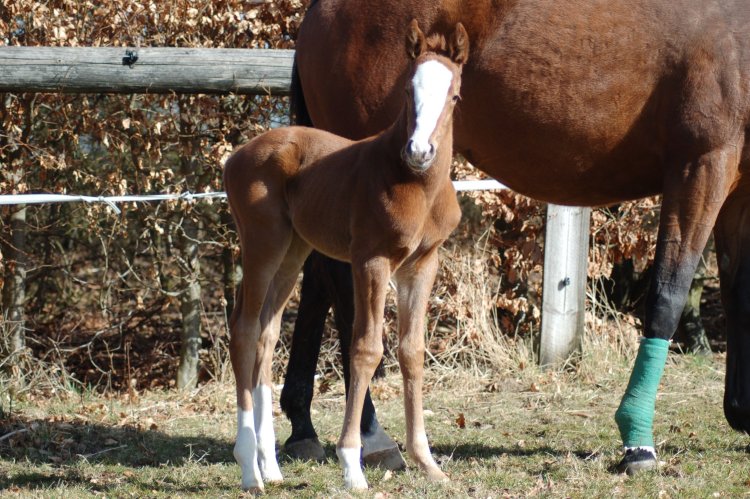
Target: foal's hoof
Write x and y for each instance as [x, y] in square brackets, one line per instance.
[437, 475]
[637, 459]
[308, 449]
[387, 459]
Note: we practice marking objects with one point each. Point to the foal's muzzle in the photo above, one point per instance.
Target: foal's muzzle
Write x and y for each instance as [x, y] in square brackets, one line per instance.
[419, 158]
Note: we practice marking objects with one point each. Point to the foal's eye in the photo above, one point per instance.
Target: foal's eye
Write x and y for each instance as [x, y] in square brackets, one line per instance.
[456, 98]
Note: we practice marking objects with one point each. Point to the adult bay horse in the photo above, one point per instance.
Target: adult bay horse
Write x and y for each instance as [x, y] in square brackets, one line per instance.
[582, 102]
[385, 204]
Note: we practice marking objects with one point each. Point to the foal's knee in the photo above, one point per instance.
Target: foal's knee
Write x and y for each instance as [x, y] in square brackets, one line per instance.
[367, 352]
[411, 358]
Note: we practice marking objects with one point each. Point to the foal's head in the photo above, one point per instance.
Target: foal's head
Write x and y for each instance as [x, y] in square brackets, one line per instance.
[432, 92]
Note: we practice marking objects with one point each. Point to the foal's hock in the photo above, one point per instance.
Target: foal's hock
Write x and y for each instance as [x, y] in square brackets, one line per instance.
[385, 204]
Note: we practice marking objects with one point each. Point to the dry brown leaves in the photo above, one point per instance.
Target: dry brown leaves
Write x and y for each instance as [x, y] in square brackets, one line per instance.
[101, 282]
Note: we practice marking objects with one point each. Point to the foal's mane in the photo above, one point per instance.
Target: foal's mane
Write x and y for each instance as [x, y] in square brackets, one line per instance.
[455, 47]
[437, 43]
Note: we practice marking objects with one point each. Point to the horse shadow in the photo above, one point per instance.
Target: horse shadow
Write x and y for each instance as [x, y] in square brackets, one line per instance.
[62, 447]
[478, 451]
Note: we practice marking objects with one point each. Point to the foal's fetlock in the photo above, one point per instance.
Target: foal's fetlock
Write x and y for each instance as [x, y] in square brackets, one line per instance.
[354, 478]
[269, 467]
[432, 471]
[427, 464]
[251, 477]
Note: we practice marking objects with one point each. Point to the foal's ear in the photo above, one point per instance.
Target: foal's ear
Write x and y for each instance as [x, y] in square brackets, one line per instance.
[458, 45]
[415, 40]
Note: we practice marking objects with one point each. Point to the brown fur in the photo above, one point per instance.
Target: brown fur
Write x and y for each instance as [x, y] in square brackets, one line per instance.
[580, 102]
[294, 189]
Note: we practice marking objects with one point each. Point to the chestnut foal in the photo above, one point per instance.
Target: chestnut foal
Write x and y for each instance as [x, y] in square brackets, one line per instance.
[385, 204]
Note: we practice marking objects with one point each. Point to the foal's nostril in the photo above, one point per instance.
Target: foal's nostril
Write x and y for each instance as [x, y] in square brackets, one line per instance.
[432, 150]
[410, 147]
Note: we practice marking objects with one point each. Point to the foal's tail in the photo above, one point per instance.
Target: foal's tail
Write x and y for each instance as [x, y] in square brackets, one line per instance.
[298, 114]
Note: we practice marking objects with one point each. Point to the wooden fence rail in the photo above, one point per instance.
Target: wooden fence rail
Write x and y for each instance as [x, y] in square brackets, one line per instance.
[260, 72]
[145, 70]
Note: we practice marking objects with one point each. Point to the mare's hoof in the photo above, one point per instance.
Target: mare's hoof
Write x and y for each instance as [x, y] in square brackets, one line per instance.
[308, 449]
[636, 460]
[387, 459]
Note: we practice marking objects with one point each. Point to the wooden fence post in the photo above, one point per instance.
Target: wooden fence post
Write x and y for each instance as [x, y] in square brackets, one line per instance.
[566, 246]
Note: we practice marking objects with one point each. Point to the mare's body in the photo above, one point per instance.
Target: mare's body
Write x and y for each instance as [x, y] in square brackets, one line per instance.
[581, 102]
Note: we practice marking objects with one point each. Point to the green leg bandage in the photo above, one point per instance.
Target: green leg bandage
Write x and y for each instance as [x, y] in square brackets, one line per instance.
[635, 417]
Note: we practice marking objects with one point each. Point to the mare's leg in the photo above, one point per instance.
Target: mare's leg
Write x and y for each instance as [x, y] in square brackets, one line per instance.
[694, 193]
[733, 256]
[278, 294]
[414, 282]
[691, 329]
[370, 288]
[378, 449]
[297, 393]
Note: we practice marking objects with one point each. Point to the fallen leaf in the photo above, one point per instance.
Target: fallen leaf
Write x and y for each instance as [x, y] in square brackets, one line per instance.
[324, 386]
[461, 421]
[582, 414]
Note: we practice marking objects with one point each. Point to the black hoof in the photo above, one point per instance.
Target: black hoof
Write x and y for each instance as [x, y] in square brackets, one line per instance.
[386, 459]
[308, 449]
[636, 460]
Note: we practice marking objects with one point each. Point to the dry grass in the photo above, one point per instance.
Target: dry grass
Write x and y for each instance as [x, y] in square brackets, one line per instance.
[530, 433]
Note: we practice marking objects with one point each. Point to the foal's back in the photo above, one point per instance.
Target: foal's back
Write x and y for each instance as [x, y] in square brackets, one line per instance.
[333, 190]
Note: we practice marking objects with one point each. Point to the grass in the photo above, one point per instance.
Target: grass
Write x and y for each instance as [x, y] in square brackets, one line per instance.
[532, 433]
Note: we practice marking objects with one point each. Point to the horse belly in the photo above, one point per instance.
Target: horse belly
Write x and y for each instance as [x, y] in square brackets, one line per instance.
[565, 105]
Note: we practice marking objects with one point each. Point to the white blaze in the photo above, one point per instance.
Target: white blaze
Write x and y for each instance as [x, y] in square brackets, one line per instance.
[431, 83]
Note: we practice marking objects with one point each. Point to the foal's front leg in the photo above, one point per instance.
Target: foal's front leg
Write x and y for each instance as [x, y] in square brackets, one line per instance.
[414, 282]
[370, 287]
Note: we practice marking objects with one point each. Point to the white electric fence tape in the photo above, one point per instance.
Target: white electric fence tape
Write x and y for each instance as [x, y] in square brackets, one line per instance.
[461, 185]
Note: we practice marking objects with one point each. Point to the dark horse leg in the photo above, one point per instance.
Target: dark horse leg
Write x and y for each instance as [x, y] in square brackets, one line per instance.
[695, 190]
[690, 330]
[297, 393]
[326, 282]
[733, 254]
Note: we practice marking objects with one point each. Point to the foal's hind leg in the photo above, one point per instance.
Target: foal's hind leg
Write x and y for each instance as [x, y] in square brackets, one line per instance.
[262, 256]
[278, 294]
[414, 282]
[693, 196]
